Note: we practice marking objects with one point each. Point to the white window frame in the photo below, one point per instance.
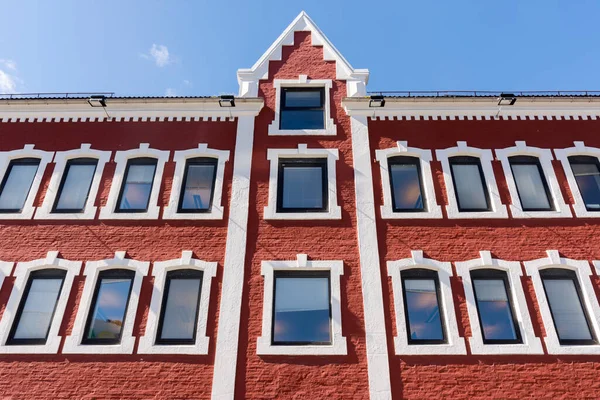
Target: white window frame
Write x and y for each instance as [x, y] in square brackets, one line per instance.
[456, 343]
[579, 149]
[181, 157]
[5, 270]
[22, 274]
[583, 271]
[335, 268]
[27, 151]
[60, 160]
[92, 270]
[485, 158]
[303, 82]
[545, 158]
[531, 344]
[121, 159]
[274, 155]
[433, 210]
[160, 269]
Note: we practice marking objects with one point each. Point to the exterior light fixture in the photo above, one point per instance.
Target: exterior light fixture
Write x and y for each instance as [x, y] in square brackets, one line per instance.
[227, 100]
[377, 101]
[97, 101]
[506, 99]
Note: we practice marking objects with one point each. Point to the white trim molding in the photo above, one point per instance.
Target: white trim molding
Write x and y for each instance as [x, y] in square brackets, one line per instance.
[531, 344]
[5, 270]
[92, 270]
[578, 149]
[181, 157]
[455, 344]
[432, 209]
[485, 158]
[147, 344]
[330, 128]
[22, 274]
[545, 158]
[60, 160]
[274, 155]
[583, 271]
[121, 159]
[27, 151]
[335, 268]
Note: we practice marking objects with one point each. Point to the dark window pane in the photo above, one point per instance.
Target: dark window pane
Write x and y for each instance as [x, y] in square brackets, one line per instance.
[587, 176]
[423, 310]
[198, 186]
[137, 186]
[302, 108]
[494, 308]
[302, 98]
[531, 184]
[302, 119]
[469, 185]
[302, 310]
[406, 185]
[180, 310]
[17, 184]
[75, 186]
[302, 185]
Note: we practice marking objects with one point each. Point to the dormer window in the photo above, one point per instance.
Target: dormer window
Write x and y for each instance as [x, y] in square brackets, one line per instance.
[302, 108]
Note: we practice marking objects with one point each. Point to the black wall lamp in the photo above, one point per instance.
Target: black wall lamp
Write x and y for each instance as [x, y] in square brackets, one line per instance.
[226, 100]
[377, 101]
[97, 101]
[507, 99]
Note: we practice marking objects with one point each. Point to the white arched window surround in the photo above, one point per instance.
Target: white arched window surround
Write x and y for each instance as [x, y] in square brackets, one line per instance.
[22, 274]
[433, 210]
[579, 149]
[121, 159]
[60, 160]
[583, 271]
[181, 157]
[92, 270]
[274, 155]
[27, 151]
[303, 81]
[531, 344]
[338, 345]
[456, 344]
[545, 159]
[159, 271]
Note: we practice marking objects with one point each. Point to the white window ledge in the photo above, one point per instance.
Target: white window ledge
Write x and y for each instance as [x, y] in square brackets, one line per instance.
[60, 159]
[456, 344]
[73, 343]
[338, 345]
[147, 343]
[545, 158]
[531, 344]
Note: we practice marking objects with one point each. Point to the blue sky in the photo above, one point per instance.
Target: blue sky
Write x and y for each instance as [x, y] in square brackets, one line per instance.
[195, 47]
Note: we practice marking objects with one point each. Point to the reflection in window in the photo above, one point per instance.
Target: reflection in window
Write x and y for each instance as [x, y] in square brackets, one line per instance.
[494, 307]
[37, 306]
[137, 185]
[531, 183]
[179, 311]
[302, 108]
[302, 185]
[587, 175]
[422, 306]
[568, 312]
[405, 176]
[16, 184]
[109, 307]
[75, 186]
[469, 184]
[198, 185]
[302, 309]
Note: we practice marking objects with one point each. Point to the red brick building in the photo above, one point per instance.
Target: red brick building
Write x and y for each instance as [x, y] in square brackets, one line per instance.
[302, 240]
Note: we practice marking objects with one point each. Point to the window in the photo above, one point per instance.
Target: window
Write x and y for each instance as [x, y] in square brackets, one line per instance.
[469, 184]
[17, 183]
[421, 290]
[531, 183]
[109, 307]
[302, 108]
[75, 186]
[179, 311]
[407, 187]
[494, 308]
[36, 310]
[566, 306]
[198, 185]
[137, 185]
[302, 309]
[587, 176]
[302, 185]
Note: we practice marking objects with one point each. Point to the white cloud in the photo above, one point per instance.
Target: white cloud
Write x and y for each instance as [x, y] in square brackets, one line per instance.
[7, 83]
[187, 83]
[9, 64]
[170, 92]
[160, 54]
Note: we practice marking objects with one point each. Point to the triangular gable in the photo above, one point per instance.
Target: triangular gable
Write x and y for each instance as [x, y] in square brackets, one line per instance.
[248, 78]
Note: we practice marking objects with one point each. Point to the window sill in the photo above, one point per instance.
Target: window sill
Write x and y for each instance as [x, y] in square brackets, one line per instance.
[339, 347]
[517, 212]
[201, 347]
[272, 214]
[330, 130]
[402, 348]
[152, 213]
[125, 347]
[215, 213]
[388, 213]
